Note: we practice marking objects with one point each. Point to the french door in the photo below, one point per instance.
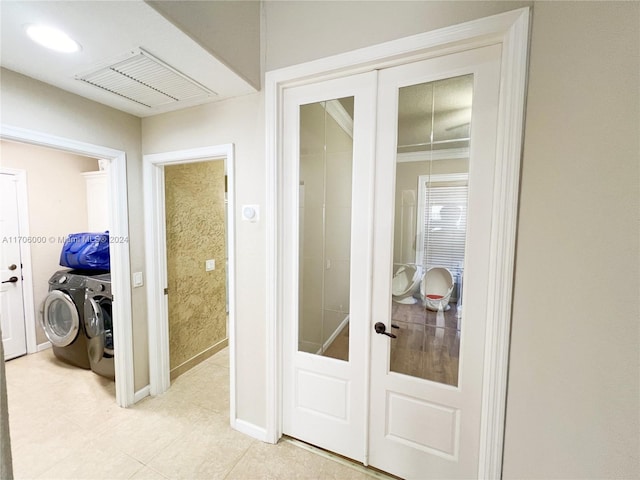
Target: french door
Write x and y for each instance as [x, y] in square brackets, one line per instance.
[328, 159]
[390, 172]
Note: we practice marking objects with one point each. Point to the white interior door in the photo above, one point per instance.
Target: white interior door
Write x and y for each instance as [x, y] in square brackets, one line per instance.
[11, 307]
[435, 154]
[327, 205]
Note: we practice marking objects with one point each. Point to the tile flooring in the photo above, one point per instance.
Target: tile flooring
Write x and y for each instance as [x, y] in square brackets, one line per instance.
[65, 425]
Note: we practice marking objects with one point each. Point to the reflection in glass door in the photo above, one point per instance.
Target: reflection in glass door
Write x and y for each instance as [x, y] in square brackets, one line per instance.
[326, 164]
[432, 168]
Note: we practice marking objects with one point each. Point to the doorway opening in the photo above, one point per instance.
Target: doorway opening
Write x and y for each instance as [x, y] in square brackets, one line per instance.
[164, 203]
[118, 223]
[506, 34]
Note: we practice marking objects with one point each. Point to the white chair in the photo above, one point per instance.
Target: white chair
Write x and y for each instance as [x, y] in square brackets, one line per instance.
[405, 283]
[436, 288]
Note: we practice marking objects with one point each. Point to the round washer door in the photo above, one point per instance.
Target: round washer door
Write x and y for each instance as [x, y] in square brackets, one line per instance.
[60, 321]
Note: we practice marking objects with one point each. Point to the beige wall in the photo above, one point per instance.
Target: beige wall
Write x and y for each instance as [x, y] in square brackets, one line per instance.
[238, 121]
[33, 105]
[573, 408]
[300, 31]
[195, 211]
[57, 207]
[229, 29]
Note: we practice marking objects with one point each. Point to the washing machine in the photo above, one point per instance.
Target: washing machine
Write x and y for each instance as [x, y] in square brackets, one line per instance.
[63, 318]
[98, 324]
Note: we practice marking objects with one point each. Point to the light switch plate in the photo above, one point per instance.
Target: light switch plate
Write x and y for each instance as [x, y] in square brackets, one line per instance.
[209, 265]
[137, 279]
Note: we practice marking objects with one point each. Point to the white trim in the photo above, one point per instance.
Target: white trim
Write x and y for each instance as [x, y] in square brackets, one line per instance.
[511, 29]
[42, 346]
[155, 248]
[444, 154]
[340, 115]
[252, 430]
[118, 227]
[142, 393]
[513, 88]
[25, 258]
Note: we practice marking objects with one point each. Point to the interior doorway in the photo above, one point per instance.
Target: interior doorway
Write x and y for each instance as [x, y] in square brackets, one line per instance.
[119, 252]
[413, 425]
[195, 218]
[156, 247]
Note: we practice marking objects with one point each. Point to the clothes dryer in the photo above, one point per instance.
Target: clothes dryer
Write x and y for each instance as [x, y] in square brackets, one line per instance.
[99, 324]
[63, 318]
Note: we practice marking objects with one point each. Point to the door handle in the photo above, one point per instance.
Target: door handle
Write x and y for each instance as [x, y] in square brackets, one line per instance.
[11, 280]
[381, 329]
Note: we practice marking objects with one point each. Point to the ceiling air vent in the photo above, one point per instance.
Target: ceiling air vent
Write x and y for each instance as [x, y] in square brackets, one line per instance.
[144, 79]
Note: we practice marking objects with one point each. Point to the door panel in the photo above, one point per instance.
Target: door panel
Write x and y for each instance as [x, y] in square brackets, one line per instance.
[11, 308]
[435, 151]
[328, 174]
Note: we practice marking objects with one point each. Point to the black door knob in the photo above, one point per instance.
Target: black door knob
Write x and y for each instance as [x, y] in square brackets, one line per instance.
[11, 280]
[381, 329]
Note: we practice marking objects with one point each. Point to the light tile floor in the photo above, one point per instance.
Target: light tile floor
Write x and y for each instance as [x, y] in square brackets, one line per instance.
[65, 425]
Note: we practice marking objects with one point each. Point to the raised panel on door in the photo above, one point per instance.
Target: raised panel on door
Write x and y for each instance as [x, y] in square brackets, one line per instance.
[327, 177]
[435, 152]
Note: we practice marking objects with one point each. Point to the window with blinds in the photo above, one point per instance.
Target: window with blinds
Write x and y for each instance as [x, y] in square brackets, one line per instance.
[442, 221]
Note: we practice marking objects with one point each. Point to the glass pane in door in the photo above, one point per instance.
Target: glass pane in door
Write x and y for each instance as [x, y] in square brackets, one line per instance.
[326, 165]
[432, 170]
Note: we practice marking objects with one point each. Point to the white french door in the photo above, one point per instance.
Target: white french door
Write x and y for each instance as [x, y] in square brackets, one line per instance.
[327, 202]
[426, 384]
[387, 377]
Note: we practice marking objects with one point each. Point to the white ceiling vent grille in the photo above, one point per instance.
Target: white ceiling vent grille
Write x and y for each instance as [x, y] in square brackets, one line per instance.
[147, 81]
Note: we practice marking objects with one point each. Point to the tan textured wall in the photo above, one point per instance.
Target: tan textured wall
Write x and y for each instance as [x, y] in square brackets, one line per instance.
[57, 207]
[194, 201]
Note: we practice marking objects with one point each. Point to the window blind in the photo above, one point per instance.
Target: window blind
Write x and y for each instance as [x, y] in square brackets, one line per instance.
[444, 225]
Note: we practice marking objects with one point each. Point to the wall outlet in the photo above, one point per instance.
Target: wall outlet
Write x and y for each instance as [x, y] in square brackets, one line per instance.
[209, 265]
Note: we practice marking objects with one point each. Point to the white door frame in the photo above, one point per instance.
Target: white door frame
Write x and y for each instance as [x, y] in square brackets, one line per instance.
[156, 254]
[119, 251]
[511, 30]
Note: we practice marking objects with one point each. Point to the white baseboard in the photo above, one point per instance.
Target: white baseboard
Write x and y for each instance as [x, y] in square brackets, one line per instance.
[43, 346]
[250, 429]
[142, 393]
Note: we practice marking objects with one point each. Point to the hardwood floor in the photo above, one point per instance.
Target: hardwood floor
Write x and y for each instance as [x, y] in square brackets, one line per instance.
[427, 344]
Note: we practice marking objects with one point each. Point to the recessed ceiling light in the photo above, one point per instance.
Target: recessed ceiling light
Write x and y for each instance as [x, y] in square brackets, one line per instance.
[52, 38]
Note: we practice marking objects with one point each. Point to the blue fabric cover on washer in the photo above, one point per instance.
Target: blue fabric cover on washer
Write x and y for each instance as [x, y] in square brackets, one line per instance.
[86, 251]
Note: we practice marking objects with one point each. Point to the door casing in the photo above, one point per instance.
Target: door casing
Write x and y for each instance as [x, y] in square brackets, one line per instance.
[511, 31]
[155, 247]
[119, 251]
